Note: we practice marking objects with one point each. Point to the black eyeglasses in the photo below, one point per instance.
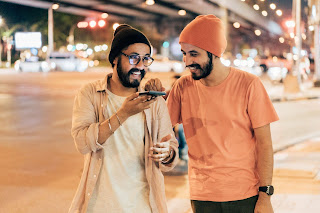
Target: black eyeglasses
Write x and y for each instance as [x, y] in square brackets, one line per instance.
[134, 59]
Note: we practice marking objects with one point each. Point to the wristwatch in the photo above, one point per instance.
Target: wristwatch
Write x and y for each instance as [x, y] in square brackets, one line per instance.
[267, 189]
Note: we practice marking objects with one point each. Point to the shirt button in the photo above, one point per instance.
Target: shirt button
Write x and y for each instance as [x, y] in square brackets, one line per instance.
[94, 176]
[88, 194]
[101, 105]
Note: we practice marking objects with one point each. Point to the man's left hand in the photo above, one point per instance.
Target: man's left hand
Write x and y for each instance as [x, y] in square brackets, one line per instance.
[161, 150]
[263, 204]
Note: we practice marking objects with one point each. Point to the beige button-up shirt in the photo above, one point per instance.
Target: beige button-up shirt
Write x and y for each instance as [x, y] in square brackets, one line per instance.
[88, 112]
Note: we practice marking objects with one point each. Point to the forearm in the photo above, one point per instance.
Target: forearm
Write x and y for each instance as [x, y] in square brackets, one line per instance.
[109, 126]
[265, 163]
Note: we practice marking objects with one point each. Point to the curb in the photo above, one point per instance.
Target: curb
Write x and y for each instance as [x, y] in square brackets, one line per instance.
[284, 99]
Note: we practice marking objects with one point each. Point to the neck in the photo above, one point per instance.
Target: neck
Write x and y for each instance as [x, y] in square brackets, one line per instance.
[116, 87]
[217, 75]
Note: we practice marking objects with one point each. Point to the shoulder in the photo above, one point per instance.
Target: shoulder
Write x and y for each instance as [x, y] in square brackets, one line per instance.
[244, 75]
[91, 87]
[183, 82]
[244, 78]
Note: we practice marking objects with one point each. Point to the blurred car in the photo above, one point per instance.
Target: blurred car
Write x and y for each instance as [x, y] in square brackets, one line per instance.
[277, 74]
[164, 64]
[275, 61]
[66, 62]
[31, 65]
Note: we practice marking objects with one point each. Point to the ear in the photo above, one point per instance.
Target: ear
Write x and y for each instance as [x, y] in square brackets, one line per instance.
[115, 61]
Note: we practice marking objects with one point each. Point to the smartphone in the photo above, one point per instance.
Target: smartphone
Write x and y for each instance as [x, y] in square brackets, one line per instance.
[152, 93]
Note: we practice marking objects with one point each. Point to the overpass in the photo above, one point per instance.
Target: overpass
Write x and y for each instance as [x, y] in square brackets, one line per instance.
[162, 11]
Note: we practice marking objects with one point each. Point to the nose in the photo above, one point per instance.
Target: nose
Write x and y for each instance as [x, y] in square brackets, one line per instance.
[140, 64]
[187, 60]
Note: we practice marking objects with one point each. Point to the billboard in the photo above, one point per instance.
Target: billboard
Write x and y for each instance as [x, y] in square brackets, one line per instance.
[27, 40]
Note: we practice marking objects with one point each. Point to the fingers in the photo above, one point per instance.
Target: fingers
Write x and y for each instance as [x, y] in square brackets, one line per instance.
[154, 84]
[161, 150]
[133, 96]
[158, 154]
[158, 84]
[159, 157]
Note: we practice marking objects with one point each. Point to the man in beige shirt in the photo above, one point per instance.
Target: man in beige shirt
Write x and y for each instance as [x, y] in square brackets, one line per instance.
[127, 139]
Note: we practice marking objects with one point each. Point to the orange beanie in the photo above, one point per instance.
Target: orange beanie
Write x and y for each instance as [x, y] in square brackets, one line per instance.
[206, 32]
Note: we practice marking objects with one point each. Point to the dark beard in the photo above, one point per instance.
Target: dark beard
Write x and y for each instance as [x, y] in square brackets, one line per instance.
[204, 72]
[125, 78]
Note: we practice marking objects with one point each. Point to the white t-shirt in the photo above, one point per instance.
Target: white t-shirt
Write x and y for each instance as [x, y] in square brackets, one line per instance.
[122, 186]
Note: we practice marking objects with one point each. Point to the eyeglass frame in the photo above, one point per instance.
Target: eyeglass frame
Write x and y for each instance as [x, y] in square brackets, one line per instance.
[140, 56]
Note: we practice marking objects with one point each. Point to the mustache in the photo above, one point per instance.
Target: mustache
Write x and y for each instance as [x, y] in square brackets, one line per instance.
[197, 66]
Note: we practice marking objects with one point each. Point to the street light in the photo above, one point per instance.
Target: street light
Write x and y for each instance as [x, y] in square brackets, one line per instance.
[104, 15]
[279, 12]
[101, 23]
[257, 32]
[55, 6]
[264, 13]
[281, 40]
[115, 26]
[273, 6]
[92, 23]
[149, 2]
[236, 25]
[182, 12]
[256, 7]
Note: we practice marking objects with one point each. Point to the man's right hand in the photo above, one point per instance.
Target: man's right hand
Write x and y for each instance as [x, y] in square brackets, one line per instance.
[135, 104]
[154, 84]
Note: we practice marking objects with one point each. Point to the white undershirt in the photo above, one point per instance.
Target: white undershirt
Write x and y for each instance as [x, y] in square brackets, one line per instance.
[122, 186]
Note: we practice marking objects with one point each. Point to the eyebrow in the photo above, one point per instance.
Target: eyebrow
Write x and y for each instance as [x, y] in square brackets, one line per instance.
[135, 53]
[191, 51]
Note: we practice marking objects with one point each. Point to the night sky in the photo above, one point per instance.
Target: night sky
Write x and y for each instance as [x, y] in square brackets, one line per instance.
[14, 13]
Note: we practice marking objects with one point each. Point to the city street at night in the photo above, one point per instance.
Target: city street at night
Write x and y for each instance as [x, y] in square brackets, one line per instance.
[224, 155]
[41, 167]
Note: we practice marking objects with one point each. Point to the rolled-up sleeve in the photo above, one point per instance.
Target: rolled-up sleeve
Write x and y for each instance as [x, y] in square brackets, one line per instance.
[85, 128]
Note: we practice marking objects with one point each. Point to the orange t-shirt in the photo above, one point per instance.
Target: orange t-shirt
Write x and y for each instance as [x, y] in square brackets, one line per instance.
[218, 122]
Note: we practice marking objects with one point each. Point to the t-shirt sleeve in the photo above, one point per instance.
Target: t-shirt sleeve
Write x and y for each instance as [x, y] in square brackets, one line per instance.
[260, 108]
[174, 104]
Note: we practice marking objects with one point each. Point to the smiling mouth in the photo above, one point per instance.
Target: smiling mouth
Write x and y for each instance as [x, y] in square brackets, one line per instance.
[136, 74]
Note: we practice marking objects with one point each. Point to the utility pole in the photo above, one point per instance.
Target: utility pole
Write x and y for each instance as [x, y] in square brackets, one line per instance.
[292, 81]
[50, 30]
[314, 20]
[297, 38]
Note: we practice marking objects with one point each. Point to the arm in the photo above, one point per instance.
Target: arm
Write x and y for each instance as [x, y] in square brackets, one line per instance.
[131, 106]
[166, 151]
[86, 131]
[265, 166]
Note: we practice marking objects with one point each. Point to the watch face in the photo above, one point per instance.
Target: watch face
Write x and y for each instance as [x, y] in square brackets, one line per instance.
[271, 190]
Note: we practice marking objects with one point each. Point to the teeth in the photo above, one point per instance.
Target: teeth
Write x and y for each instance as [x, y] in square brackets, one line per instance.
[192, 68]
[137, 73]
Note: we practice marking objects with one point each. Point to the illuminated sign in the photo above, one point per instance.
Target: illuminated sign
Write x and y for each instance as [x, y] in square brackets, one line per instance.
[27, 40]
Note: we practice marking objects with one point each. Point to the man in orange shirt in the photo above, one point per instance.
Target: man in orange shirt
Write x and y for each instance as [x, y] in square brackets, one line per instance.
[226, 114]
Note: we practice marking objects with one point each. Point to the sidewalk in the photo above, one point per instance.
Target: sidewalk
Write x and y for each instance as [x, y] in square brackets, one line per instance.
[296, 179]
